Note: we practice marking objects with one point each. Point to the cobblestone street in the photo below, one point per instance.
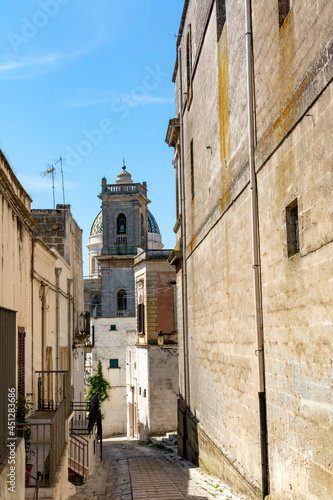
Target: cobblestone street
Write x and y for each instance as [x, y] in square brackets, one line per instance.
[131, 470]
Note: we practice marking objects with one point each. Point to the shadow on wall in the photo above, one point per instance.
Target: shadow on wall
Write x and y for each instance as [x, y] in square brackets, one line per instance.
[187, 433]
[143, 430]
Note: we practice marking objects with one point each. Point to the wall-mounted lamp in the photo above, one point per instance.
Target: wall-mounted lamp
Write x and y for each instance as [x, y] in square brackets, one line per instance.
[160, 343]
[82, 322]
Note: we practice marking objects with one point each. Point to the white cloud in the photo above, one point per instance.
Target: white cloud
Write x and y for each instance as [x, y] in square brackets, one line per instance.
[116, 97]
[24, 68]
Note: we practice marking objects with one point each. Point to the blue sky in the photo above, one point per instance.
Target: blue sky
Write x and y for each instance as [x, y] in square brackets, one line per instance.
[89, 80]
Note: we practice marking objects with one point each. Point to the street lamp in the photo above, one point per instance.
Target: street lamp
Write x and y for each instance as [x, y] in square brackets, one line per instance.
[160, 338]
[160, 342]
[82, 322]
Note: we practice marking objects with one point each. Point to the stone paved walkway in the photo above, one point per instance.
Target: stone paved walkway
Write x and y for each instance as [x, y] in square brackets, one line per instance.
[134, 471]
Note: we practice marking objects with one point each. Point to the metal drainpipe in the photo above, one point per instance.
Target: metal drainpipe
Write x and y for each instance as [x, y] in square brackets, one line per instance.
[69, 283]
[43, 334]
[57, 273]
[32, 311]
[256, 255]
[43, 325]
[184, 270]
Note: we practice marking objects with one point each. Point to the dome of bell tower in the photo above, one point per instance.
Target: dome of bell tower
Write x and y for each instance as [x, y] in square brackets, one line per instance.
[124, 177]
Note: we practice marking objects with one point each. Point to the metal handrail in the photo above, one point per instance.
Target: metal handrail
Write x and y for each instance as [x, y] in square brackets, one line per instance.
[78, 456]
[85, 416]
[47, 439]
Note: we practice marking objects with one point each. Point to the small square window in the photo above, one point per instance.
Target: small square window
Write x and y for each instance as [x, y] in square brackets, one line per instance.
[292, 228]
[113, 363]
[113, 327]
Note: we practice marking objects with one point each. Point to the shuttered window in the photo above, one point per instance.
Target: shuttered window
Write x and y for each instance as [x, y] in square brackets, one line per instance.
[141, 318]
[113, 363]
[21, 361]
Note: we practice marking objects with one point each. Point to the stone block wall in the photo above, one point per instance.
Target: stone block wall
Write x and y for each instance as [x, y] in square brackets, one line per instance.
[114, 280]
[53, 229]
[131, 209]
[297, 307]
[293, 84]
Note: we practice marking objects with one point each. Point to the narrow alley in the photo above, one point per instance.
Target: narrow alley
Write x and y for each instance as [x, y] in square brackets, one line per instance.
[131, 470]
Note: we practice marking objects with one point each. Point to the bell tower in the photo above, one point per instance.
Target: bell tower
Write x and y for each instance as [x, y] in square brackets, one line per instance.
[125, 229]
[125, 215]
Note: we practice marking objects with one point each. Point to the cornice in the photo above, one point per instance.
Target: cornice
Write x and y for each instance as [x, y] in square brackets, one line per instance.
[14, 201]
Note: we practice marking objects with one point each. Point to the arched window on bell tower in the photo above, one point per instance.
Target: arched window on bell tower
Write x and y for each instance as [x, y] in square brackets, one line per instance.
[121, 224]
[121, 238]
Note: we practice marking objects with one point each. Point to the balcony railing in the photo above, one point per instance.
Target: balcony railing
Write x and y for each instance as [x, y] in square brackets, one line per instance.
[86, 414]
[53, 388]
[121, 239]
[116, 189]
[125, 313]
[119, 250]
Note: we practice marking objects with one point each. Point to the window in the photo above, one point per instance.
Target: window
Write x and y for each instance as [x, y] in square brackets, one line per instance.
[141, 318]
[113, 328]
[140, 309]
[142, 231]
[292, 228]
[189, 64]
[220, 17]
[177, 186]
[113, 363]
[284, 7]
[121, 224]
[121, 300]
[192, 169]
[97, 306]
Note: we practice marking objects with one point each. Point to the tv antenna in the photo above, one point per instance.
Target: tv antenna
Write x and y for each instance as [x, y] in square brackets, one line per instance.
[50, 173]
[62, 179]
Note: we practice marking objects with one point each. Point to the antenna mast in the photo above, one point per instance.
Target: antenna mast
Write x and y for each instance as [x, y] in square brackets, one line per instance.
[51, 171]
[62, 179]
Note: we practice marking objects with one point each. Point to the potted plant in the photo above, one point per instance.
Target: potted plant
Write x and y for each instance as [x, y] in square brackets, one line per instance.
[23, 408]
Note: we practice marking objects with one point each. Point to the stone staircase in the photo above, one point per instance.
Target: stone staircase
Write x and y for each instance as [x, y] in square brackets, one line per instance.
[167, 442]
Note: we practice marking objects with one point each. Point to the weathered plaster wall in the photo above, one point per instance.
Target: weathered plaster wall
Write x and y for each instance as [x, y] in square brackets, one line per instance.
[163, 390]
[112, 345]
[57, 229]
[16, 227]
[143, 394]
